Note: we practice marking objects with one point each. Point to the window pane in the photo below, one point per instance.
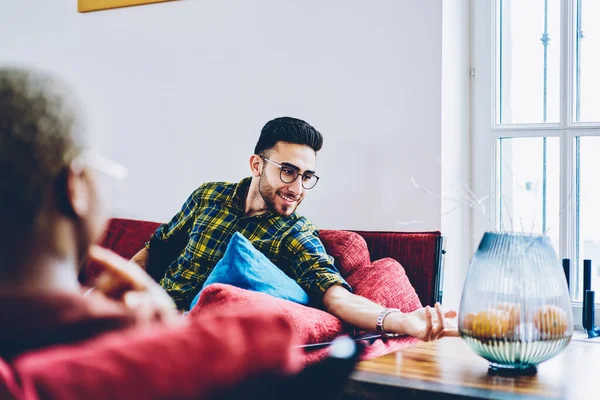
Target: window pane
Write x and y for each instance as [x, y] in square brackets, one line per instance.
[588, 213]
[529, 180]
[527, 61]
[586, 85]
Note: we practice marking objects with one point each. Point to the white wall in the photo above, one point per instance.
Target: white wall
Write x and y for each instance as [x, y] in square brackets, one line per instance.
[456, 149]
[179, 91]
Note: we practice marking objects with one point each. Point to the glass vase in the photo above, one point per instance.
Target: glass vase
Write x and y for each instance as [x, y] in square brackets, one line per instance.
[515, 309]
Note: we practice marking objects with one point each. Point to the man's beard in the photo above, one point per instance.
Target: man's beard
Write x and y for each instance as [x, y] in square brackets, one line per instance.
[269, 196]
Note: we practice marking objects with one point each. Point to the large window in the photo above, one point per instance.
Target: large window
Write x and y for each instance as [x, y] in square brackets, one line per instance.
[536, 123]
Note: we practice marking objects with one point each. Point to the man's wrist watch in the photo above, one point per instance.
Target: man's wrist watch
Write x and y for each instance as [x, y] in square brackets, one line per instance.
[381, 318]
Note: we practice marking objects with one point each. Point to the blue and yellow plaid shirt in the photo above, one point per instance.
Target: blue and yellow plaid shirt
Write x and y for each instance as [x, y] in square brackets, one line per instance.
[209, 218]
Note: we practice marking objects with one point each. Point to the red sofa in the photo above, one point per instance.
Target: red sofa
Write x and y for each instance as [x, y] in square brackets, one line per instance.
[419, 253]
[395, 269]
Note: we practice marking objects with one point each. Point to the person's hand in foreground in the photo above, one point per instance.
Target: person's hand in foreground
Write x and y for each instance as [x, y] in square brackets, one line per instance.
[125, 281]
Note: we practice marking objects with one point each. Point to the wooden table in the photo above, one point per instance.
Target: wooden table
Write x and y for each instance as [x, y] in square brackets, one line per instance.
[448, 369]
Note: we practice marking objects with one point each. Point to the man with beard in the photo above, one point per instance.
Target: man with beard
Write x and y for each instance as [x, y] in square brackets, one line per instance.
[262, 208]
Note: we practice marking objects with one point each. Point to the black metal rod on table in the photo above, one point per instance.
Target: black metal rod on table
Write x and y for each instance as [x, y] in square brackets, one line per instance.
[589, 319]
[566, 262]
[587, 285]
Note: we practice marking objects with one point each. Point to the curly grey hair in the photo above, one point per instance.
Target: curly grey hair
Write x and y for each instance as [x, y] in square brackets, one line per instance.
[40, 134]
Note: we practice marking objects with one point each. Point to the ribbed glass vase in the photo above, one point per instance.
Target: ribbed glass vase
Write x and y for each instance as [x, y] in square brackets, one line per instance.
[515, 309]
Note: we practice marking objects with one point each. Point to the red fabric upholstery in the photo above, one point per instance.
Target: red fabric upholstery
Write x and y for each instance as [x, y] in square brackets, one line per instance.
[348, 249]
[311, 324]
[415, 251]
[385, 282]
[258, 339]
[123, 236]
[195, 361]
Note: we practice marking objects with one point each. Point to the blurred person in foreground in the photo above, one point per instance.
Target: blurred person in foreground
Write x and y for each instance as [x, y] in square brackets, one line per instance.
[53, 208]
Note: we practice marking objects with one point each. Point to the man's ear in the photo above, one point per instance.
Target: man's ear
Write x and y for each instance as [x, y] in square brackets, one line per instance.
[78, 191]
[256, 165]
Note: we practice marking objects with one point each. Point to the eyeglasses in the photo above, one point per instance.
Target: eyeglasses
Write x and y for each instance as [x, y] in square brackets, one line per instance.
[102, 164]
[110, 178]
[290, 174]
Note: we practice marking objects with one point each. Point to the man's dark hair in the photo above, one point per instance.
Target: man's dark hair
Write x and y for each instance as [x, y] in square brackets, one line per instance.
[39, 137]
[289, 130]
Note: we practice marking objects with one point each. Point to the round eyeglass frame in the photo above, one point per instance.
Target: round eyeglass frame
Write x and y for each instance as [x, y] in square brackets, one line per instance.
[281, 167]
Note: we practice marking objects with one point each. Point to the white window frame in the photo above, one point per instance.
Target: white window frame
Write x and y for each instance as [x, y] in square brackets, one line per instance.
[486, 131]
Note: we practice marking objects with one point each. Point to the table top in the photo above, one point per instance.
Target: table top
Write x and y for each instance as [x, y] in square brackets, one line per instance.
[450, 368]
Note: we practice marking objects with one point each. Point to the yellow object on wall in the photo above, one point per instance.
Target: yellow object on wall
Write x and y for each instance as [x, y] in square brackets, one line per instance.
[95, 5]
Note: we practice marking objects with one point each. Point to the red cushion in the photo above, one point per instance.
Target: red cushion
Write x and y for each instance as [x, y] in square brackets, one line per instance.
[311, 325]
[348, 249]
[416, 251]
[385, 282]
[216, 350]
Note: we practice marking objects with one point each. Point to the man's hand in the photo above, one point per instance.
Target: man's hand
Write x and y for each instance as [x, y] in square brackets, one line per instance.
[362, 313]
[423, 323]
[126, 282]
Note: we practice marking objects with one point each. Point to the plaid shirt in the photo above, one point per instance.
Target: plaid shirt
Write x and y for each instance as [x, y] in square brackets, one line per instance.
[209, 218]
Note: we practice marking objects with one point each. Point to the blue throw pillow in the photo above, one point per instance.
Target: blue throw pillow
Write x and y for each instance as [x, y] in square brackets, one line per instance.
[244, 266]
